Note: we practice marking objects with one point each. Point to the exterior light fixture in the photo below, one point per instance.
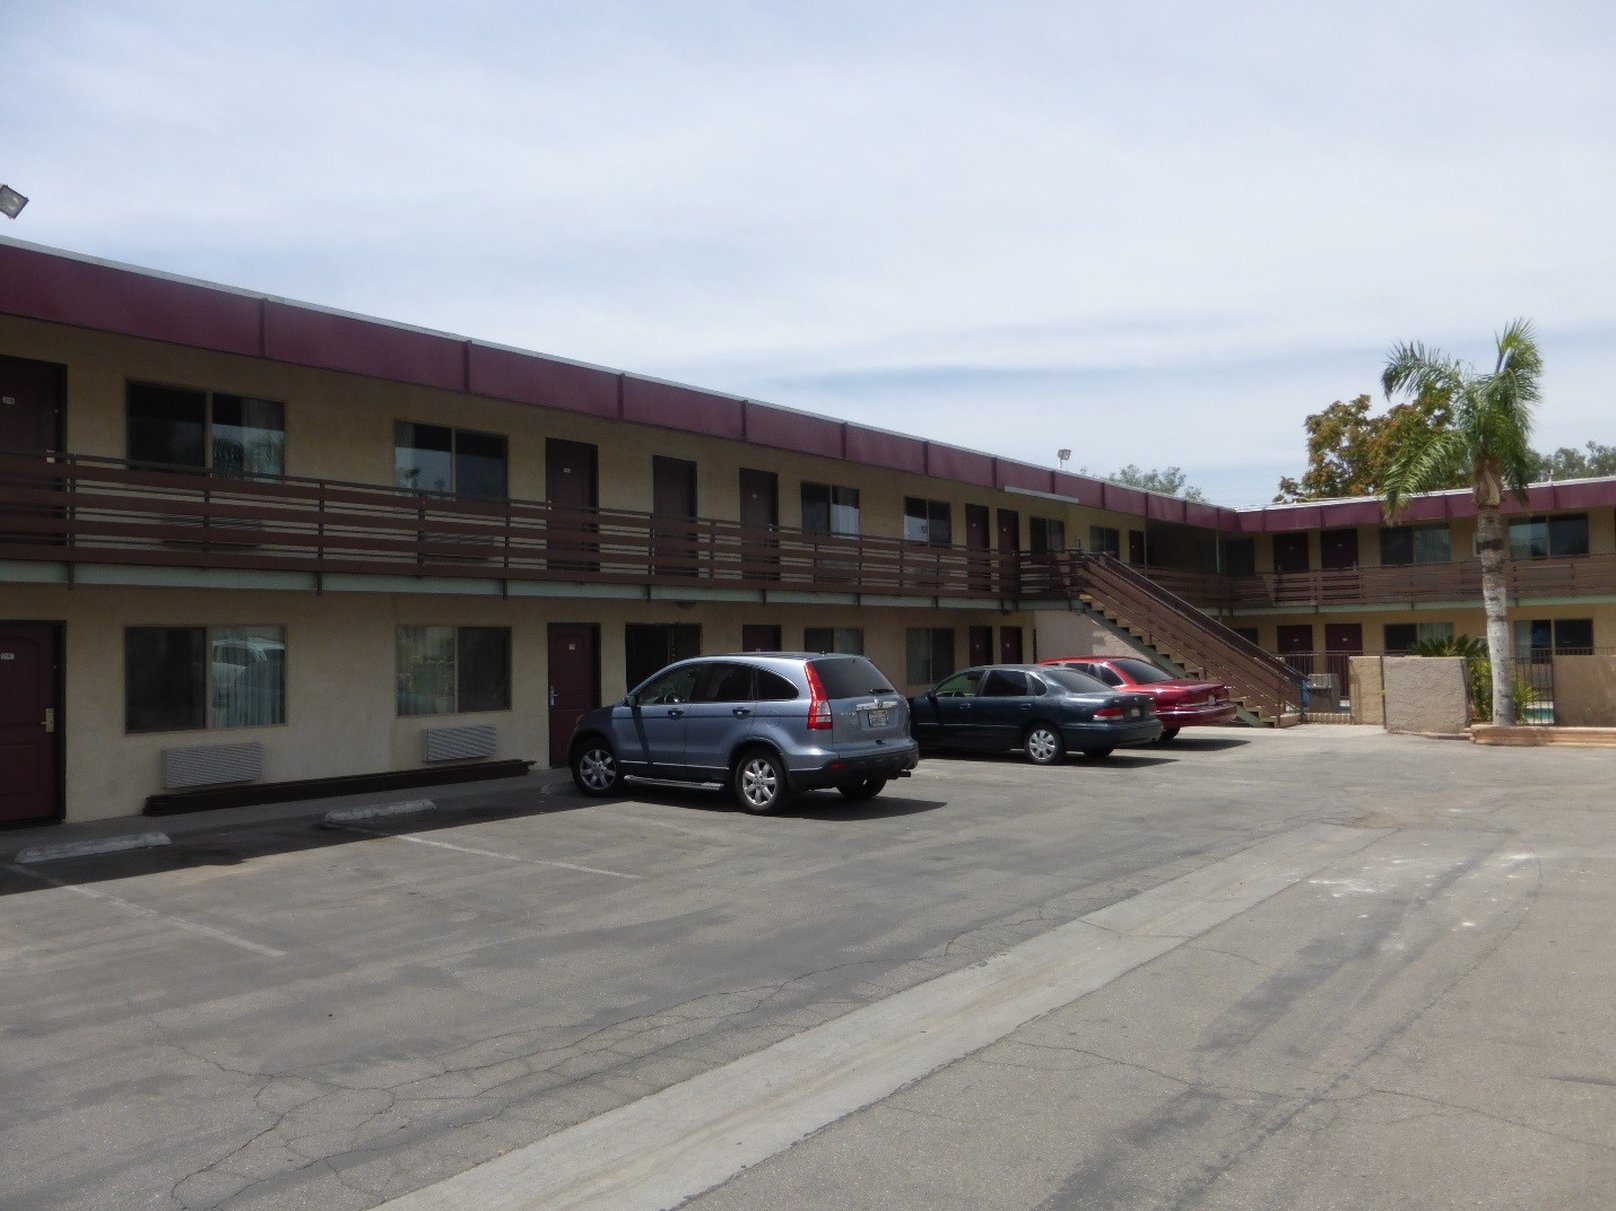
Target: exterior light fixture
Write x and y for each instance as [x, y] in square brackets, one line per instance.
[1063, 455]
[11, 202]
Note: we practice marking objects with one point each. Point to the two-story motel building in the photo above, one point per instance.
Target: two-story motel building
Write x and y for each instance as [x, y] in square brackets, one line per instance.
[247, 542]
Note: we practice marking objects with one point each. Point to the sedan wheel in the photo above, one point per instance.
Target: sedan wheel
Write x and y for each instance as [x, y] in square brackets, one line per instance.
[1043, 745]
[759, 783]
[595, 770]
[864, 788]
[1168, 733]
[1096, 754]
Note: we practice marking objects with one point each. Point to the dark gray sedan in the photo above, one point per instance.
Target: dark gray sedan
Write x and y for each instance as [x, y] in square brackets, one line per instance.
[1042, 711]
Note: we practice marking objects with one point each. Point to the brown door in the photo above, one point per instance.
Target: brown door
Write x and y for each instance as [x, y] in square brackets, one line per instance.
[31, 396]
[981, 645]
[1290, 553]
[978, 549]
[1009, 645]
[1296, 647]
[1342, 641]
[1338, 549]
[30, 735]
[673, 500]
[574, 681]
[1136, 547]
[757, 637]
[1009, 544]
[571, 484]
[760, 520]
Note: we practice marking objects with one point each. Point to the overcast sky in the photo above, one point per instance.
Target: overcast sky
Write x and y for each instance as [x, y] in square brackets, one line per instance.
[1158, 234]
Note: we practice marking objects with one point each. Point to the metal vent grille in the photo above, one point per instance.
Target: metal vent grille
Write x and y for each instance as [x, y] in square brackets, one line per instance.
[457, 743]
[212, 765]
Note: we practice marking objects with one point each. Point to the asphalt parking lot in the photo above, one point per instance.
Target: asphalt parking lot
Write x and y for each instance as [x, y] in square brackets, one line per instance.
[1317, 968]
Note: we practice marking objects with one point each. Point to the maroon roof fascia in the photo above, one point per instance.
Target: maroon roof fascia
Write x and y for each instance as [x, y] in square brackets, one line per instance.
[309, 337]
[1121, 499]
[879, 448]
[528, 378]
[798, 431]
[1010, 474]
[89, 294]
[966, 466]
[650, 401]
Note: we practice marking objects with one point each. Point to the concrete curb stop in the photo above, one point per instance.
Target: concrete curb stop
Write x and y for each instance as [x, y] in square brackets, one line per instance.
[89, 849]
[374, 811]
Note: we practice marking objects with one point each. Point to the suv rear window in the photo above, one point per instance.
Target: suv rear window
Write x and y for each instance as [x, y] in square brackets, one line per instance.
[849, 676]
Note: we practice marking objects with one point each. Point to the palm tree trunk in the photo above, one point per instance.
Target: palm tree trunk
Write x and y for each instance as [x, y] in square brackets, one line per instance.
[1495, 604]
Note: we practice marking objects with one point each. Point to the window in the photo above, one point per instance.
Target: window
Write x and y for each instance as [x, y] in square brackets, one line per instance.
[834, 639]
[1047, 534]
[926, 521]
[1005, 683]
[1558, 636]
[189, 678]
[648, 647]
[232, 435]
[1240, 556]
[930, 652]
[1103, 540]
[435, 458]
[830, 510]
[453, 670]
[1546, 537]
[1400, 636]
[1403, 545]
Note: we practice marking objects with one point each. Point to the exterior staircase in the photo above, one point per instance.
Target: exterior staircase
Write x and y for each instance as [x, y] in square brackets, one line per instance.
[1266, 690]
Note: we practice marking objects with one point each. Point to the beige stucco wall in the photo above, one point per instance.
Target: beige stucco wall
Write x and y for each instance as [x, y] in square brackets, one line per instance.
[1426, 694]
[1585, 691]
[1366, 690]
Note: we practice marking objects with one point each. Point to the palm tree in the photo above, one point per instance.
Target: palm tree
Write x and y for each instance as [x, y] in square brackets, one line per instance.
[1489, 441]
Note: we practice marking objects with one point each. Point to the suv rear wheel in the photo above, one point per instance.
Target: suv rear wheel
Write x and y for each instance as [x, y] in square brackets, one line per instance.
[759, 782]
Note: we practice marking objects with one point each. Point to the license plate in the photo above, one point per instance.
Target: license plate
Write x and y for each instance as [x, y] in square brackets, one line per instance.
[877, 718]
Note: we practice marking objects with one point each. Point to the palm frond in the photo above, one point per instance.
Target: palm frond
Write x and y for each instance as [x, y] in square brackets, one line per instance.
[1430, 461]
[1421, 373]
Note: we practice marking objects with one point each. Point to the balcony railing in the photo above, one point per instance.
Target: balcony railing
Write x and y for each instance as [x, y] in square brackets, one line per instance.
[81, 509]
[1581, 575]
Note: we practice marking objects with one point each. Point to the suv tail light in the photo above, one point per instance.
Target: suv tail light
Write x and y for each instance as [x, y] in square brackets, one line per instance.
[819, 719]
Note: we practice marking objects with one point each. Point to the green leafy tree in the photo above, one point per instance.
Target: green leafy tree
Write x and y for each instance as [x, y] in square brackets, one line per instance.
[1349, 449]
[1489, 443]
[1169, 481]
[1566, 463]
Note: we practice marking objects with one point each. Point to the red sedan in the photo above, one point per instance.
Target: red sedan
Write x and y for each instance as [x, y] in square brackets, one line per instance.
[1180, 701]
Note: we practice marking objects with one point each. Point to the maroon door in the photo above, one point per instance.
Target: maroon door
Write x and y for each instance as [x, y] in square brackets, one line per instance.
[1009, 645]
[30, 405]
[981, 643]
[1342, 640]
[760, 520]
[673, 501]
[1296, 647]
[760, 638]
[1136, 547]
[978, 549]
[1290, 553]
[30, 755]
[1338, 549]
[570, 480]
[574, 681]
[1009, 544]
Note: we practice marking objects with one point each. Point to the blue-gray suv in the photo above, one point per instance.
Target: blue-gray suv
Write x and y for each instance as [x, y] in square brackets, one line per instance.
[766, 724]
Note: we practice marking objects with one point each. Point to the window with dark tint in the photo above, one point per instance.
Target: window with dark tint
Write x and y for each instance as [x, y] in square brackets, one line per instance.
[648, 647]
[449, 670]
[1403, 545]
[185, 678]
[834, 639]
[771, 687]
[961, 685]
[1240, 556]
[1100, 673]
[233, 435]
[1142, 671]
[828, 509]
[1400, 636]
[1004, 683]
[671, 687]
[1545, 537]
[926, 521]
[1047, 534]
[1074, 682]
[1104, 540]
[436, 458]
[726, 683]
[929, 654]
[849, 677]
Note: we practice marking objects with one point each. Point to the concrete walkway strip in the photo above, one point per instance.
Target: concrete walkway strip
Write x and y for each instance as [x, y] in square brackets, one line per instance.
[375, 811]
[672, 1145]
[89, 849]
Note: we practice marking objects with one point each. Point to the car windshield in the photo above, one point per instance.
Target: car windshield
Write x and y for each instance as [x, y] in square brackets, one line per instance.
[1142, 672]
[849, 676]
[1074, 682]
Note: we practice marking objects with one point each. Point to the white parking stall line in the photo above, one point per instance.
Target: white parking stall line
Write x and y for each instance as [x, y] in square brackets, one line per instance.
[486, 853]
[151, 914]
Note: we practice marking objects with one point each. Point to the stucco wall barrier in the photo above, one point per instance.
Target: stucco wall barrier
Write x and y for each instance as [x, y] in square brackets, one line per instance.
[1426, 695]
[1585, 691]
